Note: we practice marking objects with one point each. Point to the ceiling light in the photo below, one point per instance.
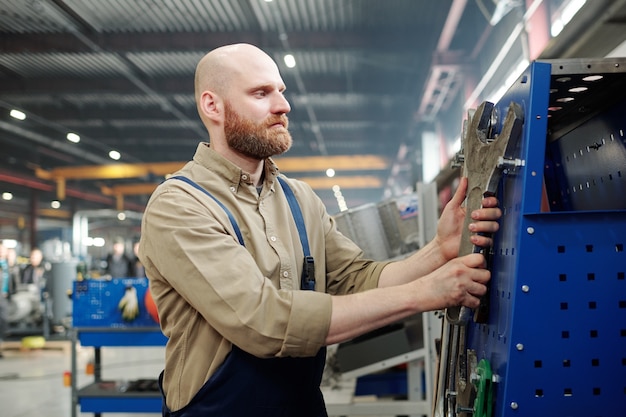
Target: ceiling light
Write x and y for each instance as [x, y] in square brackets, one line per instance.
[330, 172]
[10, 243]
[7, 196]
[568, 12]
[115, 155]
[290, 61]
[73, 137]
[18, 114]
[55, 204]
[121, 216]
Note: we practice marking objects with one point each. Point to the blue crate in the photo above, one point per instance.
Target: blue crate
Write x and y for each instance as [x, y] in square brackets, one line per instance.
[96, 303]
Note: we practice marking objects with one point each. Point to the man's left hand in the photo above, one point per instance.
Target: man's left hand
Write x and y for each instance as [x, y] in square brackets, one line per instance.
[485, 220]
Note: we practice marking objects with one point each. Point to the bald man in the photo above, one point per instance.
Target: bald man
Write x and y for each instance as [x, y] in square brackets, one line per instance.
[251, 278]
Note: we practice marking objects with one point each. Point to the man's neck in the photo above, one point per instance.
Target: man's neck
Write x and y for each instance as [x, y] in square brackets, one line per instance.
[250, 165]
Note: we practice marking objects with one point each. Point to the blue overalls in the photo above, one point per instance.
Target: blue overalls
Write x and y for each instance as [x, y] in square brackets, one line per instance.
[248, 386]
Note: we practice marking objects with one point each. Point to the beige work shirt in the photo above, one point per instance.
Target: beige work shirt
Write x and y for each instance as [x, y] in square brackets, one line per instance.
[211, 292]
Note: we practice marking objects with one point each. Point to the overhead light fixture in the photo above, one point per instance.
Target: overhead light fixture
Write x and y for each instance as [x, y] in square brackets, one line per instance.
[115, 155]
[341, 201]
[73, 137]
[16, 114]
[567, 13]
[330, 172]
[7, 196]
[290, 61]
[9, 243]
[94, 241]
[121, 216]
[55, 204]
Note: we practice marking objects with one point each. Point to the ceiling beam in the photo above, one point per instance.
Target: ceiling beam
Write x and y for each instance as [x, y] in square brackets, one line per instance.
[287, 164]
[344, 182]
[317, 183]
[35, 184]
[360, 83]
[92, 114]
[338, 163]
[124, 42]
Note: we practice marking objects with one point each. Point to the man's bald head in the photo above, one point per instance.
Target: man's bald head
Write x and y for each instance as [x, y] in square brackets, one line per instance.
[216, 69]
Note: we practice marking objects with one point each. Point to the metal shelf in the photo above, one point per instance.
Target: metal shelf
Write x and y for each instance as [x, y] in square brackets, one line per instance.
[106, 396]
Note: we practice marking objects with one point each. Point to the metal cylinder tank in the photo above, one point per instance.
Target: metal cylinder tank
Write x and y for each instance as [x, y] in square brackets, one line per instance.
[60, 282]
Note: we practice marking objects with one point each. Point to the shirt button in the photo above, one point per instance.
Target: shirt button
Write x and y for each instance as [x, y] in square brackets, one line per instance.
[232, 188]
[273, 238]
[244, 177]
[285, 274]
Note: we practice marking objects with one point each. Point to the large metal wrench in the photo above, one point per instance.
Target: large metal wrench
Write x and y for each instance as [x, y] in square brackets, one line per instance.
[484, 159]
[485, 156]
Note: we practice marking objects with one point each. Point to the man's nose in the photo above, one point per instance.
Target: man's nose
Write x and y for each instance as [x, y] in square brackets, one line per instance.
[281, 105]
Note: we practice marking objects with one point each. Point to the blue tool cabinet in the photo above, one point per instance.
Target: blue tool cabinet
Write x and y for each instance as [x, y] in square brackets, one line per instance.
[98, 323]
[556, 334]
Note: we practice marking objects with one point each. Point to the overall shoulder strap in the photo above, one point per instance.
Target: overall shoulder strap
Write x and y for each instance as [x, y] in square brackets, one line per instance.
[297, 215]
[233, 222]
[307, 281]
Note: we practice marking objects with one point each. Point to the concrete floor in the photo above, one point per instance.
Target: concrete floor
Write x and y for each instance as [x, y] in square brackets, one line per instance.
[32, 383]
[32, 380]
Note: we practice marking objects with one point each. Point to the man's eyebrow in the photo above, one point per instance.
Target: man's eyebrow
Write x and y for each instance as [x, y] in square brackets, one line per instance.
[267, 87]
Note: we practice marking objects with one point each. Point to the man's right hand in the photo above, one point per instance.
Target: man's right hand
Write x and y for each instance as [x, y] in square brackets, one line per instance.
[460, 281]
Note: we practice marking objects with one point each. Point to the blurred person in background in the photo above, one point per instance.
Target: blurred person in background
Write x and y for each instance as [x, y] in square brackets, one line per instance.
[5, 293]
[34, 271]
[138, 270]
[119, 264]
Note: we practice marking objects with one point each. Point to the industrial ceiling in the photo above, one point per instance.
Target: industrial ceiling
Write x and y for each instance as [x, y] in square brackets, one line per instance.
[370, 77]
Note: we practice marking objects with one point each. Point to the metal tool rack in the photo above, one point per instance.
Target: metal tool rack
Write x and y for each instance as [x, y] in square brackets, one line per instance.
[98, 323]
[105, 396]
[556, 334]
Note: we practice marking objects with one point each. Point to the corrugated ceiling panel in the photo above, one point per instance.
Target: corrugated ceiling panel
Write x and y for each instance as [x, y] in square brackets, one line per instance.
[163, 15]
[330, 15]
[32, 16]
[339, 62]
[63, 65]
[302, 15]
[166, 63]
[327, 100]
[25, 100]
[355, 125]
[123, 100]
[153, 123]
[184, 100]
[111, 99]
[327, 62]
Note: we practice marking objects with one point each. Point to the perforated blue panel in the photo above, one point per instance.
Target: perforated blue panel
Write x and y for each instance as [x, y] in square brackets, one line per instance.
[556, 335]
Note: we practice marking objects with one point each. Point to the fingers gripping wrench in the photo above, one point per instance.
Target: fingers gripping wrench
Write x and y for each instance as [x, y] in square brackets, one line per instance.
[484, 160]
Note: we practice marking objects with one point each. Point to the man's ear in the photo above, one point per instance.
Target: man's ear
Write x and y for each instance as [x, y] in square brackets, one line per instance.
[211, 106]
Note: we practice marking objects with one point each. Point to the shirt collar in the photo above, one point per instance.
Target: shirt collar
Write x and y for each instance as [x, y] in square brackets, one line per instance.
[213, 161]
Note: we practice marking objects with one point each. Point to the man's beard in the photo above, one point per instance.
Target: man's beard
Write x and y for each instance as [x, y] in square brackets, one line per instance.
[256, 140]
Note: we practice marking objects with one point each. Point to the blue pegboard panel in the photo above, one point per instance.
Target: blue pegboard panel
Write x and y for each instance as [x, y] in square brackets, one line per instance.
[95, 303]
[556, 334]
